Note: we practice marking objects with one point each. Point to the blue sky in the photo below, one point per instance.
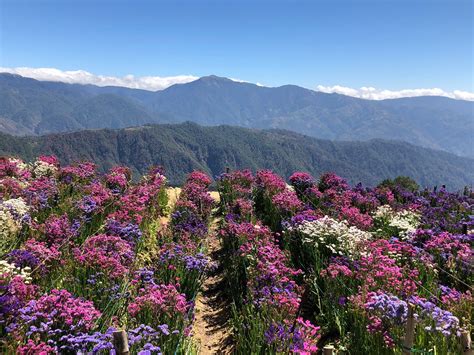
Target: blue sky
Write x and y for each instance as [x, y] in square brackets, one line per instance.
[386, 44]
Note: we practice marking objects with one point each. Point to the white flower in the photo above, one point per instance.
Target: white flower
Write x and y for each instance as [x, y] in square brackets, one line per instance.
[383, 212]
[42, 168]
[9, 271]
[12, 213]
[404, 222]
[8, 225]
[338, 237]
[17, 207]
[20, 164]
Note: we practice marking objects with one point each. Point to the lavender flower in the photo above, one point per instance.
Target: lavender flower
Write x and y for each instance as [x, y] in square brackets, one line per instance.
[439, 320]
[23, 258]
[388, 307]
[130, 232]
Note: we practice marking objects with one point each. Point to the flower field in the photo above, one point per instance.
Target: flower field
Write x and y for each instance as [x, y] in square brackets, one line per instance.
[307, 264]
[84, 254]
[320, 263]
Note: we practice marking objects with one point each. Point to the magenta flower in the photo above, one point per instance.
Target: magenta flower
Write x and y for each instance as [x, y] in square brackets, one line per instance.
[109, 254]
[158, 300]
[269, 181]
[59, 310]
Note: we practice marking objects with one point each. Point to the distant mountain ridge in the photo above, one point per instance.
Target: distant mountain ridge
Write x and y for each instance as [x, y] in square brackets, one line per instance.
[28, 106]
[184, 147]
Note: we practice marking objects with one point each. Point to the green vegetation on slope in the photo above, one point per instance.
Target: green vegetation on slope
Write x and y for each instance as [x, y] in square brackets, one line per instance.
[185, 147]
[29, 107]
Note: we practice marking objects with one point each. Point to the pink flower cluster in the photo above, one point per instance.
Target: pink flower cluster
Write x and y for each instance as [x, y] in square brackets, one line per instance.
[56, 230]
[354, 217]
[137, 200]
[100, 194]
[61, 310]
[49, 159]
[83, 171]
[109, 254]
[287, 202]
[451, 248]
[195, 194]
[332, 181]
[269, 181]
[158, 301]
[199, 178]
[118, 178]
[32, 348]
[379, 271]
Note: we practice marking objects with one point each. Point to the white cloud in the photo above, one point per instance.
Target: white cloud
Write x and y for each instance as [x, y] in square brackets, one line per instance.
[372, 93]
[247, 82]
[84, 77]
[154, 83]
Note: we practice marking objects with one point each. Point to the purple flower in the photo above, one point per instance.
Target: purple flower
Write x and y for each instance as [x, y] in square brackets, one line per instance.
[128, 231]
[23, 258]
[87, 205]
[439, 320]
[187, 221]
[388, 307]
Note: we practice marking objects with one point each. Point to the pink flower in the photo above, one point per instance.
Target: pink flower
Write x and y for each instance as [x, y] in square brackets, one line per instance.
[158, 300]
[354, 217]
[31, 348]
[287, 202]
[200, 178]
[105, 253]
[118, 178]
[50, 159]
[57, 229]
[269, 181]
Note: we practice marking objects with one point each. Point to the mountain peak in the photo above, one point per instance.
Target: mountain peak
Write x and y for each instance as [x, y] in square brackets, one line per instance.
[214, 79]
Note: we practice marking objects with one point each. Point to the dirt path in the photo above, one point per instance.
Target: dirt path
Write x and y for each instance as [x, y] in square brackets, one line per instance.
[210, 327]
[173, 195]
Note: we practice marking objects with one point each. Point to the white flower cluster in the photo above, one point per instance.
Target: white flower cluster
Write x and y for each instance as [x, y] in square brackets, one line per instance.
[383, 212]
[402, 222]
[20, 164]
[42, 168]
[338, 237]
[11, 214]
[17, 207]
[8, 226]
[9, 271]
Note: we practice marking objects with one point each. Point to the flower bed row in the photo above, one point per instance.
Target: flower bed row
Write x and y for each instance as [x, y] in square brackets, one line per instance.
[366, 253]
[84, 254]
[262, 284]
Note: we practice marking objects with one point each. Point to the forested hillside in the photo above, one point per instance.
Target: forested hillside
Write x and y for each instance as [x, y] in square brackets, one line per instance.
[185, 147]
[30, 107]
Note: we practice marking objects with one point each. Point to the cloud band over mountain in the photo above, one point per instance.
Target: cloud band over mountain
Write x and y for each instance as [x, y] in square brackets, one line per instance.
[154, 83]
[372, 93]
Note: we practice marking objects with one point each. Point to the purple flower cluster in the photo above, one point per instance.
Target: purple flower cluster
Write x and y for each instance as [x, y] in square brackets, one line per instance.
[438, 320]
[23, 258]
[176, 253]
[186, 221]
[127, 231]
[388, 307]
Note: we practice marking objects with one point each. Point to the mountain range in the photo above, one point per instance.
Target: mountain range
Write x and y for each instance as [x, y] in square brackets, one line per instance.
[181, 148]
[31, 107]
